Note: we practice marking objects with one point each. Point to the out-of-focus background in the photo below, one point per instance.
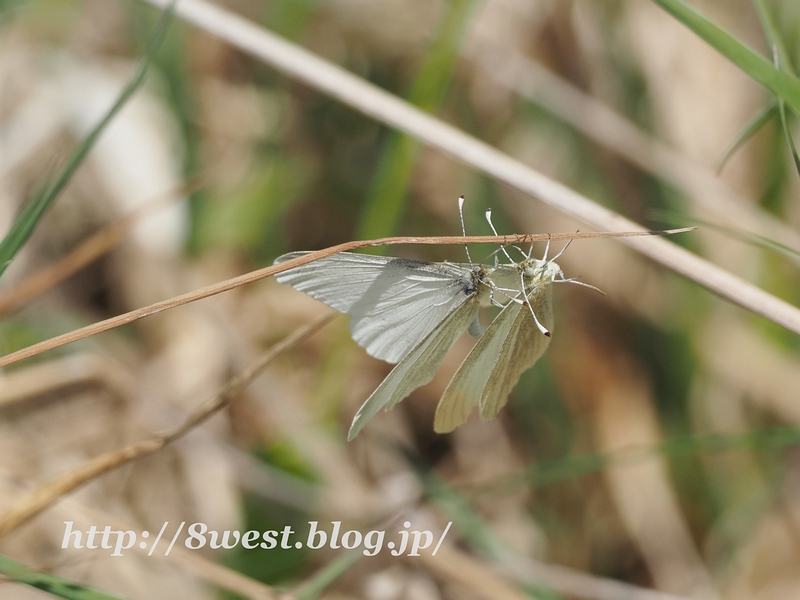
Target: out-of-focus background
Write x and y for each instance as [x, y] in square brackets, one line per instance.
[653, 445]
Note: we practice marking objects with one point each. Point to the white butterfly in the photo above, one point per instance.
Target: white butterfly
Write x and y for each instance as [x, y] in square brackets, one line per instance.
[411, 312]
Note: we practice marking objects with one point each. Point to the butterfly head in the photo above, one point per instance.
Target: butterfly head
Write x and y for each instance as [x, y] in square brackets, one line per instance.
[540, 272]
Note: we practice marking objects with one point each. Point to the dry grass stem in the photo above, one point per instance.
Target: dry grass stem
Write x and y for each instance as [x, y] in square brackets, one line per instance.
[90, 249]
[224, 286]
[190, 560]
[463, 571]
[579, 585]
[361, 95]
[615, 133]
[80, 369]
[31, 505]
[222, 576]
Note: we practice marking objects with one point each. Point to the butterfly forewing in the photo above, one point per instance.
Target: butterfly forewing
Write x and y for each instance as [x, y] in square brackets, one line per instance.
[464, 391]
[393, 303]
[419, 366]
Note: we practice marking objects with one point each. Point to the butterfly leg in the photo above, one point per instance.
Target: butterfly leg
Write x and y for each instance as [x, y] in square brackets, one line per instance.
[527, 302]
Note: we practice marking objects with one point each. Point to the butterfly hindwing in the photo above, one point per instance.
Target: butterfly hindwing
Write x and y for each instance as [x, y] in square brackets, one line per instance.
[419, 365]
[521, 348]
[510, 346]
[464, 391]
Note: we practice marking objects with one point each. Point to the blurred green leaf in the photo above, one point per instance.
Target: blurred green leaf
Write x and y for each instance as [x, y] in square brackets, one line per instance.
[477, 533]
[323, 580]
[787, 133]
[289, 18]
[278, 565]
[387, 198]
[761, 118]
[756, 66]
[774, 37]
[285, 456]
[34, 210]
[52, 584]
[782, 62]
[255, 210]
[676, 218]
[578, 465]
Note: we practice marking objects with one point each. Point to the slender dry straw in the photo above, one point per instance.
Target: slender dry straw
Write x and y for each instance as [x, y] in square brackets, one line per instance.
[361, 95]
[39, 499]
[224, 286]
[91, 248]
[602, 124]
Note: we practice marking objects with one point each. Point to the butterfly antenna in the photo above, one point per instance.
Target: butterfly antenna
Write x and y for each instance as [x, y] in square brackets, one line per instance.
[576, 282]
[502, 246]
[463, 227]
[541, 327]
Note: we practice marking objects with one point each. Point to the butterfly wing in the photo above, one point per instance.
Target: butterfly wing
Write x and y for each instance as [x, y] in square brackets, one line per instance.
[510, 346]
[419, 365]
[393, 303]
[464, 391]
[521, 348]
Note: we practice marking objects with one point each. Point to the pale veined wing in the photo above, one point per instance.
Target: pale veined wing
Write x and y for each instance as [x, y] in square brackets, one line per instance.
[522, 347]
[464, 391]
[419, 366]
[511, 345]
[393, 303]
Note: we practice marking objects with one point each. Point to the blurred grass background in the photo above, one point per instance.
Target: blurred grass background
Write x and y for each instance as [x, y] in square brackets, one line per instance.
[655, 443]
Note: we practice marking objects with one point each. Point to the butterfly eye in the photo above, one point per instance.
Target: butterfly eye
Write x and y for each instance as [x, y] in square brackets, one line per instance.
[529, 272]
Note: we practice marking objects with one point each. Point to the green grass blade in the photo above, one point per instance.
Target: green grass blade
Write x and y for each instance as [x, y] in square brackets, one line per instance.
[475, 531]
[31, 214]
[52, 584]
[323, 580]
[747, 237]
[471, 526]
[578, 465]
[479, 535]
[783, 63]
[387, 197]
[781, 84]
[787, 133]
[761, 118]
[775, 40]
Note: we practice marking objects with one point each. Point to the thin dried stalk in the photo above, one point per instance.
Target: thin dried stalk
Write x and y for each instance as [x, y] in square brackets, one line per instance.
[190, 560]
[230, 284]
[89, 250]
[39, 499]
[617, 134]
[467, 573]
[576, 584]
[222, 576]
[361, 95]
